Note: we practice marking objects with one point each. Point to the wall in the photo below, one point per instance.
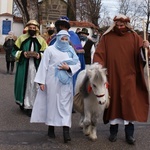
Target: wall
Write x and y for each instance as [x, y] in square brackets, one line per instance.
[6, 6]
[18, 28]
[50, 11]
[2, 37]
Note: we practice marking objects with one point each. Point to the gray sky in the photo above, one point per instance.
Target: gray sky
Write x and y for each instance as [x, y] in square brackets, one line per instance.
[111, 6]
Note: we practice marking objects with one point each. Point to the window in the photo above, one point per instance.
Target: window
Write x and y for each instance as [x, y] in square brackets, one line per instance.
[6, 26]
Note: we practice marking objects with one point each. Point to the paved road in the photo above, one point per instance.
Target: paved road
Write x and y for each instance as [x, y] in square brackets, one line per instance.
[17, 133]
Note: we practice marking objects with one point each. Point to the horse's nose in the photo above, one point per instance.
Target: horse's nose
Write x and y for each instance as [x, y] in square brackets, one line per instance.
[102, 103]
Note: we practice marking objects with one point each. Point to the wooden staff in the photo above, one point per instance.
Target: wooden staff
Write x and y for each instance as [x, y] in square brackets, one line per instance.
[146, 56]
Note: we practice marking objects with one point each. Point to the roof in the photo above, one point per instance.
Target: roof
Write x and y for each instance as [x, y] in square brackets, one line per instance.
[18, 19]
[6, 14]
[15, 18]
[82, 24]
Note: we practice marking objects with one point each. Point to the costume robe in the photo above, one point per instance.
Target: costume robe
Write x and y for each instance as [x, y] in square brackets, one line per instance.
[127, 88]
[53, 106]
[76, 43]
[25, 88]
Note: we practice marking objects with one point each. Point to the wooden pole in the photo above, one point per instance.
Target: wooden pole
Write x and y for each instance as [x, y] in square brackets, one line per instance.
[146, 56]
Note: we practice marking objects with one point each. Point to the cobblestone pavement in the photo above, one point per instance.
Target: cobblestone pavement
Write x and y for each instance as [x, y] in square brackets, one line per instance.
[17, 133]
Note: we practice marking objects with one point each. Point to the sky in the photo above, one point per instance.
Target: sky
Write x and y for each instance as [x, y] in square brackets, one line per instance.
[111, 6]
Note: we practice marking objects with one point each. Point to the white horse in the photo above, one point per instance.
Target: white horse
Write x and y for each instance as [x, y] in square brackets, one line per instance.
[93, 86]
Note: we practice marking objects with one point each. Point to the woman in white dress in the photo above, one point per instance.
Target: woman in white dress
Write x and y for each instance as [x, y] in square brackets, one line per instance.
[54, 100]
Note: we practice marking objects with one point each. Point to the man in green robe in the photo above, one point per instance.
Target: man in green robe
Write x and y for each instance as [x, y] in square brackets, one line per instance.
[28, 51]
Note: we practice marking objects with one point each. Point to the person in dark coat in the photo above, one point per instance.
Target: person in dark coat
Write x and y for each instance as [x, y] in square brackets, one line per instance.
[88, 46]
[8, 45]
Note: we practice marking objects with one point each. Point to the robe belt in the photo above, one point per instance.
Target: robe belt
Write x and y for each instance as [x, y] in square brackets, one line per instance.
[80, 51]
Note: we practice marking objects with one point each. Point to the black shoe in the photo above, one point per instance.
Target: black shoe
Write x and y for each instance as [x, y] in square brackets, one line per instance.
[113, 137]
[73, 111]
[113, 132]
[21, 108]
[29, 112]
[66, 134]
[66, 137]
[51, 132]
[51, 135]
[130, 139]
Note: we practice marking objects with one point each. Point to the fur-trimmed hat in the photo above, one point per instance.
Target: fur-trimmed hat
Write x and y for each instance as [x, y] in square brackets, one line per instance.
[50, 25]
[122, 18]
[32, 22]
[64, 21]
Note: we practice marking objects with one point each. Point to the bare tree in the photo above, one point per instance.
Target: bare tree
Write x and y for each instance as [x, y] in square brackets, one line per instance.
[124, 6]
[105, 20]
[93, 10]
[80, 11]
[132, 9]
[145, 11]
[16, 11]
[89, 10]
[71, 10]
[28, 9]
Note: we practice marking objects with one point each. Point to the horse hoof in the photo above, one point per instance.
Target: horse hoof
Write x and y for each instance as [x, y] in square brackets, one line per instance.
[93, 139]
[86, 134]
[81, 125]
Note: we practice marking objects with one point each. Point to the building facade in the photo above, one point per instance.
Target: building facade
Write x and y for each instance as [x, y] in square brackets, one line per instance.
[49, 11]
[8, 22]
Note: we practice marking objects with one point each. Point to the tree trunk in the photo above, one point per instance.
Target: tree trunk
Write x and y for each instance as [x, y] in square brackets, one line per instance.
[28, 9]
[71, 10]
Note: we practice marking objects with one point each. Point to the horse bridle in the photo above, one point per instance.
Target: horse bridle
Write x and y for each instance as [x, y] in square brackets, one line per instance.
[90, 89]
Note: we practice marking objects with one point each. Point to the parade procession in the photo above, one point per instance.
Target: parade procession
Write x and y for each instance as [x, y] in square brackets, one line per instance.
[73, 77]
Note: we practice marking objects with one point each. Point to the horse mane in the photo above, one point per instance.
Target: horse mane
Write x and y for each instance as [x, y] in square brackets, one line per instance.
[84, 86]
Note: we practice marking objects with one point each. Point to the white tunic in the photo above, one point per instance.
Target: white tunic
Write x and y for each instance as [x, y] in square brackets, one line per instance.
[31, 87]
[53, 106]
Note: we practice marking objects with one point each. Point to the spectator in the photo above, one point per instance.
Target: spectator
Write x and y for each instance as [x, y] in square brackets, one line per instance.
[27, 50]
[88, 46]
[8, 45]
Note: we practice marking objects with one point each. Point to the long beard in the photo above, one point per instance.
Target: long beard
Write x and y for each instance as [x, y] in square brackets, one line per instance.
[121, 31]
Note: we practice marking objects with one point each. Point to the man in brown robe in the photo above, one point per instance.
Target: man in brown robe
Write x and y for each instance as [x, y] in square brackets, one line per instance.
[119, 50]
